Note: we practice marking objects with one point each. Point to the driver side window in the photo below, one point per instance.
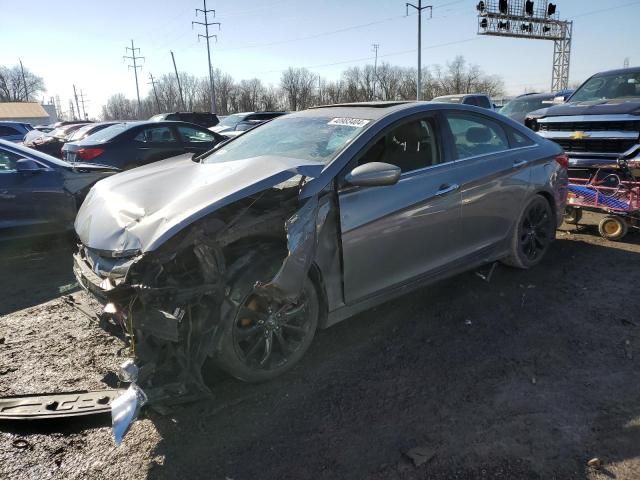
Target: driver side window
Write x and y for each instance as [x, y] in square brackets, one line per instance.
[475, 135]
[411, 146]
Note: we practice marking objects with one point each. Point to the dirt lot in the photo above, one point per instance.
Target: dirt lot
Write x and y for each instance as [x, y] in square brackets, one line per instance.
[528, 376]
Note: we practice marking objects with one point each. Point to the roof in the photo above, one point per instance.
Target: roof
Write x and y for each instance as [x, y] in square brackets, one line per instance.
[536, 96]
[15, 110]
[461, 95]
[618, 71]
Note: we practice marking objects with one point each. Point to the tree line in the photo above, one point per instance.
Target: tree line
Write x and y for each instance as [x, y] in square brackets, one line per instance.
[19, 84]
[299, 88]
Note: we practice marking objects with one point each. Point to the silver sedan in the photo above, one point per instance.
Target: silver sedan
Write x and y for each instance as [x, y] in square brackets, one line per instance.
[241, 253]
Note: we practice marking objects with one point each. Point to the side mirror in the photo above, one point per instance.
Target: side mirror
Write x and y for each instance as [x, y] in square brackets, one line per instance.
[374, 174]
[26, 165]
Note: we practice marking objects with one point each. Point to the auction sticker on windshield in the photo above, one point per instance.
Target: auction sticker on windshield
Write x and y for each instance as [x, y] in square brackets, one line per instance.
[349, 122]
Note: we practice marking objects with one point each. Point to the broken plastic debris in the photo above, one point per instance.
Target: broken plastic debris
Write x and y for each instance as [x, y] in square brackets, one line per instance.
[595, 462]
[124, 411]
[128, 371]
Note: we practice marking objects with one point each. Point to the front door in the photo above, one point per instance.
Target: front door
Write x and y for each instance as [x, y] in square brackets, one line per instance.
[393, 234]
[155, 143]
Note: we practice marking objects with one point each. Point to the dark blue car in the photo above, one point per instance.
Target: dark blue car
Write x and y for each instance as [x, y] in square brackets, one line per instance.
[39, 193]
[131, 144]
[14, 131]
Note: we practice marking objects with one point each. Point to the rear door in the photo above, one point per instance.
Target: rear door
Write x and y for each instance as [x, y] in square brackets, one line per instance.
[196, 140]
[32, 201]
[156, 142]
[393, 234]
[494, 180]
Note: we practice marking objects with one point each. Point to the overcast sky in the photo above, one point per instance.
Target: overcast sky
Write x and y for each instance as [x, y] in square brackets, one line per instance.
[82, 42]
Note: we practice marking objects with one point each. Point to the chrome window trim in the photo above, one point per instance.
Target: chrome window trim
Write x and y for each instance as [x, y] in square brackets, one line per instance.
[590, 118]
[474, 157]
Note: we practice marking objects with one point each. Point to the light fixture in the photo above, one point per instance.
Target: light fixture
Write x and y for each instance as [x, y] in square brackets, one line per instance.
[484, 23]
[528, 7]
[503, 25]
[503, 6]
[551, 9]
[527, 27]
[481, 7]
[546, 29]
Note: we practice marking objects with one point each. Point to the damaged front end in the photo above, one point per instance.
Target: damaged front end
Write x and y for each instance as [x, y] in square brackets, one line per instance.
[170, 303]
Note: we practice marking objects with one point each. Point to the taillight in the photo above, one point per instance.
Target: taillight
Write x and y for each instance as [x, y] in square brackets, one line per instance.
[89, 153]
[563, 160]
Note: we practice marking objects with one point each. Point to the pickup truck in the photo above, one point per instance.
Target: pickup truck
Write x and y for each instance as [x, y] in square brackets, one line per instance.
[599, 125]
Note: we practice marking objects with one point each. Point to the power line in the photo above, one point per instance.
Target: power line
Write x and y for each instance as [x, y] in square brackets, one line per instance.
[206, 36]
[135, 67]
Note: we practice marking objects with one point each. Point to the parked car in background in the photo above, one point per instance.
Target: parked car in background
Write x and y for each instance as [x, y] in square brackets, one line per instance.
[476, 99]
[308, 220]
[14, 131]
[237, 123]
[599, 125]
[518, 108]
[44, 128]
[51, 143]
[204, 119]
[71, 144]
[41, 194]
[131, 144]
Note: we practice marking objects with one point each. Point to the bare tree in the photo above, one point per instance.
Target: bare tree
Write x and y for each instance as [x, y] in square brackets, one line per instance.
[119, 107]
[13, 88]
[297, 84]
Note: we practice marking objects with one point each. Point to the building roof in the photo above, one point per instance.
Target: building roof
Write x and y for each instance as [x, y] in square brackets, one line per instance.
[17, 110]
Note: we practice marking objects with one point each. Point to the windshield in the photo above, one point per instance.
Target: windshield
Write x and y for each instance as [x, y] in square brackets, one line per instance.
[607, 87]
[231, 121]
[109, 133]
[525, 105]
[315, 139]
[78, 134]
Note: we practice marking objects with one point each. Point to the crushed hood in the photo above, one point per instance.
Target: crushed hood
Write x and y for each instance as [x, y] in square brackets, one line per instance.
[138, 210]
[618, 106]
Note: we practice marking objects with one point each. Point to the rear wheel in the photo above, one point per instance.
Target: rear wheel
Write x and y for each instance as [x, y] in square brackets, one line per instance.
[264, 337]
[572, 215]
[533, 234]
[613, 228]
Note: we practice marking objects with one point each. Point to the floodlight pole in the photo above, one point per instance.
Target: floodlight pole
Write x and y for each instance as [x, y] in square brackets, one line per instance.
[419, 8]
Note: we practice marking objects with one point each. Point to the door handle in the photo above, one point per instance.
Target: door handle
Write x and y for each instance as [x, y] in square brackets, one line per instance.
[445, 188]
[519, 163]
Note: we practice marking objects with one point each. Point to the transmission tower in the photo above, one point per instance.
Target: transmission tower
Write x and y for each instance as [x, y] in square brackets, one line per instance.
[155, 92]
[530, 19]
[206, 36]
[134, 57]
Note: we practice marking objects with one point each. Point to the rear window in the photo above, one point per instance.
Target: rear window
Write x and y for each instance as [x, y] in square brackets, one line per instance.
[109, 133]
[448, 99]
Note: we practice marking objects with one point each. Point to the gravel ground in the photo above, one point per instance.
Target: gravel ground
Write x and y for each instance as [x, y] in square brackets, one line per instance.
[528, 376]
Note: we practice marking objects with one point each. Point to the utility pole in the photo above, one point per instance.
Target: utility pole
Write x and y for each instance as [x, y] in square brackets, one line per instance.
[626, 62]
[135, 67]
[58, 107]
[375, 46]
[155, 93]
[73, 113]
[75, 94]
[419, 8]
[82, 101]
[184, 107]
[24, 82]
[206, 24]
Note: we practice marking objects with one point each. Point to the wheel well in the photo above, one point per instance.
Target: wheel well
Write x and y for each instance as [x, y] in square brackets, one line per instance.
[278, 244]
[549, 198]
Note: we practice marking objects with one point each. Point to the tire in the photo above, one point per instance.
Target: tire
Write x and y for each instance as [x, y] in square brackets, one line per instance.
[613, 228]
[572, 215]
[257, 345]
[532, 235]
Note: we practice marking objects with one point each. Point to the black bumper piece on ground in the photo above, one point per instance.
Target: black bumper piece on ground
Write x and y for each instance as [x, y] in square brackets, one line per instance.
[57, 405]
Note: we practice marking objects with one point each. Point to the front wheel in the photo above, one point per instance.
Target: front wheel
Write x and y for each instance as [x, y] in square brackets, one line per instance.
[532, 235]
[262, 337]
